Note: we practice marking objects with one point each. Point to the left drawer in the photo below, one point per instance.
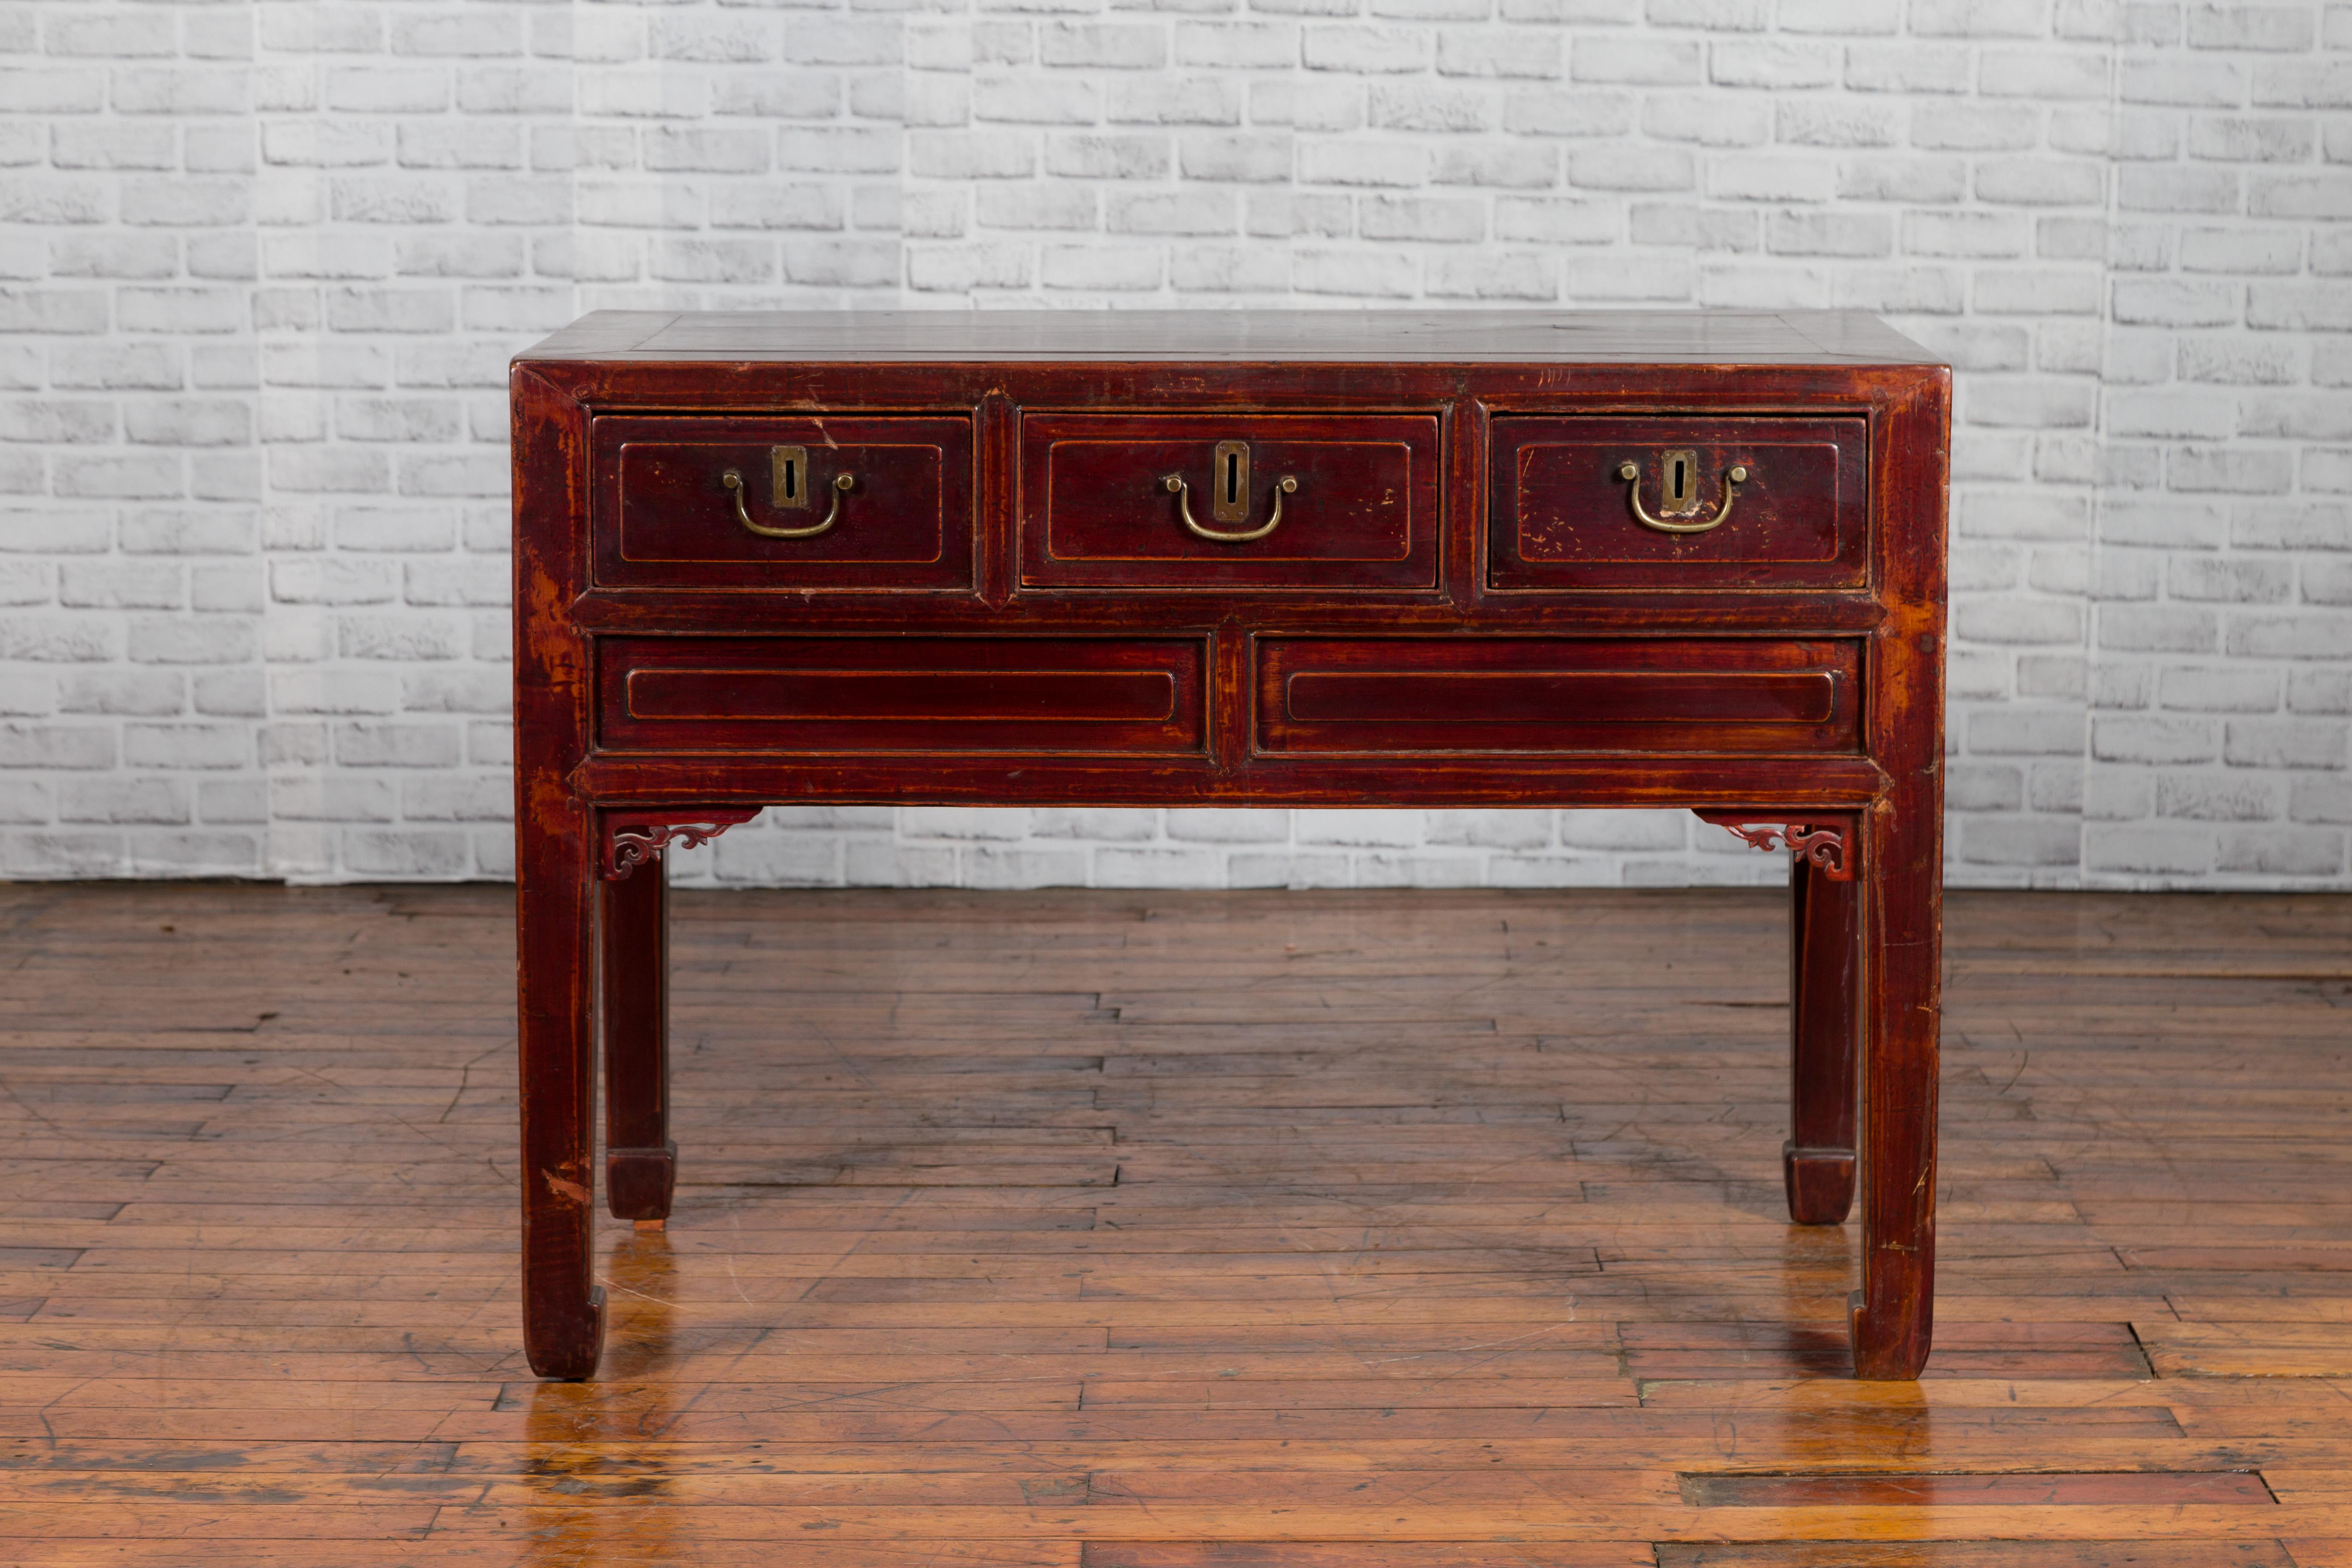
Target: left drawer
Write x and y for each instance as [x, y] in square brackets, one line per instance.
[819, 694]
[856, 502]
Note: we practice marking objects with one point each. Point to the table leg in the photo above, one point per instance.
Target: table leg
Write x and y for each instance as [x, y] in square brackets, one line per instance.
[1901, 915]
[563, 1309]
[640, 1160]
[1817, 1162]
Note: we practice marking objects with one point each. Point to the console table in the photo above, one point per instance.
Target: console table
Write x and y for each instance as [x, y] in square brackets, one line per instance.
[1266, 559]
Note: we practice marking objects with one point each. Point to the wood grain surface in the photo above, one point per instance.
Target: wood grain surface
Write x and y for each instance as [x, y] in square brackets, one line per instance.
[1128, 1230]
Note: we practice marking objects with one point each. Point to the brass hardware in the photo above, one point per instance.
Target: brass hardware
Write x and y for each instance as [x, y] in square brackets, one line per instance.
[1679, 493]
[1229, 486]
[1175, 485]
[1678, 496]
[733, 480]
[788, 474]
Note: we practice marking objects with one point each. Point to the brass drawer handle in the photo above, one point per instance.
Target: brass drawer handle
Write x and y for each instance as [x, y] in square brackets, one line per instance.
[1631, 474]
[1175, 485]
[734, 482]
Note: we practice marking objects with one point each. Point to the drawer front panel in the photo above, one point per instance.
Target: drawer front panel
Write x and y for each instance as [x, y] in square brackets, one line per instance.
[666, 516]
[1359, 511]
[1563, 515]
[900, 694]
[1558, 695]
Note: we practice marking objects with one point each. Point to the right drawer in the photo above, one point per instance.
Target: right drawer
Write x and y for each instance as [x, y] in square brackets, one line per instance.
[1678, 502]
[1559, 696]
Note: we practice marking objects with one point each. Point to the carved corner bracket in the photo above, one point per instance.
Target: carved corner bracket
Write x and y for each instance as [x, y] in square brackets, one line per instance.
[633, 837]
[1822, 841]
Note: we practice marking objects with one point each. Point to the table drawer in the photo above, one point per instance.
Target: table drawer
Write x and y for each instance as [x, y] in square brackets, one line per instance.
[1557, 695]
[1357, 496]
[666, 514]
[902, 694]
[1565, 516]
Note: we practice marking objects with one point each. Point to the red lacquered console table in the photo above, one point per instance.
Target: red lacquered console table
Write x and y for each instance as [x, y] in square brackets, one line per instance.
[1231, 558]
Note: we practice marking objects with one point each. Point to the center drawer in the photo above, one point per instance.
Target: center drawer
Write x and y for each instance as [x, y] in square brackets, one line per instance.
[820, 694]
[1214, 501]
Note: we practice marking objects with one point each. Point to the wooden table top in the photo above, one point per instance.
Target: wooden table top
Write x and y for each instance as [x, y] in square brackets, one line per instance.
[1425, 337]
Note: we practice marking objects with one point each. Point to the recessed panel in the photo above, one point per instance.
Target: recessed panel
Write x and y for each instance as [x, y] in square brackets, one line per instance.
[872, 503]
[1341, 501]
[1557, 695]
[1694, 502]
[899, 694]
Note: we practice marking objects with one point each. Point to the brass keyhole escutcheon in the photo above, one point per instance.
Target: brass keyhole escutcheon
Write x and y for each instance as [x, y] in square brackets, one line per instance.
[1229, 501]
[1678, 495]
[788, 477]
[1682, 484]
[788, 490]
[1229, 497]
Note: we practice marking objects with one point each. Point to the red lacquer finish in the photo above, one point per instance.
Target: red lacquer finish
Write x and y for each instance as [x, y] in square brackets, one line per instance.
[1603, 695]
[1799, 517]
[903, 694]
[1097, 511]
[1460, 605]
[1816, 1162]
[632, 966]
[667, 518]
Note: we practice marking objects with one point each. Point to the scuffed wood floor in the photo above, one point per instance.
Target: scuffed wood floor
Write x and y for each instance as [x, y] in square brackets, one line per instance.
[1115, 1230]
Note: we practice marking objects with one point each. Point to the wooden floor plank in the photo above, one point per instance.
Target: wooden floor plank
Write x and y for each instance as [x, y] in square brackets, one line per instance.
[1138, 1230]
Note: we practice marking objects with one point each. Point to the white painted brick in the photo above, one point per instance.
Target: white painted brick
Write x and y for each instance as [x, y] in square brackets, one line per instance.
[1003, 866]
[1730, 122]
[2321, 800]
[2274, 745]
[1626, 830]
[2282, 852]
[306, 319]
[1285, 869]
[1663, 61]
[1493, 275]
[2022, 731]
[1551, 111]
[1416, 869]
[2251, 26]
[1345, 273]
[1237, 45]
[1362, 164]
[1360, 828]
[1119, 866]
[1359, 50]
[1422, 218]
[1512, 164]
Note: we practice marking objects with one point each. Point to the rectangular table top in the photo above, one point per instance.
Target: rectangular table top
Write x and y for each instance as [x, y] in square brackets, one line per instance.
[1428, 337]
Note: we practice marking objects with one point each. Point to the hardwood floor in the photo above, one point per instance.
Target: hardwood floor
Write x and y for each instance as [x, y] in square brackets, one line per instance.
[1128, 1230]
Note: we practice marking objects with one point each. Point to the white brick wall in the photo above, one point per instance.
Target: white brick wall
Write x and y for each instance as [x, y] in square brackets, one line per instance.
[263, 260]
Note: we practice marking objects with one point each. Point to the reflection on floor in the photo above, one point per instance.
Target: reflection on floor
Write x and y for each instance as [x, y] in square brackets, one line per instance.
[1115, 1230]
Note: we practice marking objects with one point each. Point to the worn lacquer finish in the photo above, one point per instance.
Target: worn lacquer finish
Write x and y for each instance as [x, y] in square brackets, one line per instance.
[557, 852]
[665, 516]
[1818, 1160]
[633, 992]
[1798, 516]
[1422, 582]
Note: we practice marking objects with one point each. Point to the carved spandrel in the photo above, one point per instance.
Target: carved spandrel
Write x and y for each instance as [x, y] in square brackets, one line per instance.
[1822, 841]
[631, 838]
